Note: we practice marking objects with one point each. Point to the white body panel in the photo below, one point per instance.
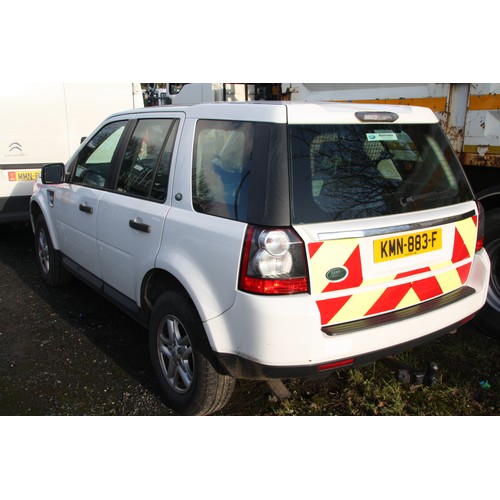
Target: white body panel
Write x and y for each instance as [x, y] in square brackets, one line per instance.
[44, 123]
[76, 228]
[203, 253]
[126, 254]
[49, 120]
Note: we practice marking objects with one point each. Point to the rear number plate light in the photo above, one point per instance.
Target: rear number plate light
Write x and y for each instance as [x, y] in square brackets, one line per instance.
[405, 246]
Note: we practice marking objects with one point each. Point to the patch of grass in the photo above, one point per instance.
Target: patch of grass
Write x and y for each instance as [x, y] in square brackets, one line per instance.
[468, 384]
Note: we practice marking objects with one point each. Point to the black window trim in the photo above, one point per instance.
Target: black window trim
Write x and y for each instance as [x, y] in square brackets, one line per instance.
[122, 148]
[119, 154]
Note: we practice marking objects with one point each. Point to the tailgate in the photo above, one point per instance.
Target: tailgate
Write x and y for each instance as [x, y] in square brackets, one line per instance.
[363, 273]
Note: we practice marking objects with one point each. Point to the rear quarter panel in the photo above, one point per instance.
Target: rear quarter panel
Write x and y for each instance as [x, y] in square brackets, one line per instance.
[201, 251]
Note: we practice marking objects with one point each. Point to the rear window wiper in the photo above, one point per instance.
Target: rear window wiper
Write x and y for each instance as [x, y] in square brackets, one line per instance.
[412, 199]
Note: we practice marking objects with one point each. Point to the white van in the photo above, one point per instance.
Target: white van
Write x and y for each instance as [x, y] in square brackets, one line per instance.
[44, 123]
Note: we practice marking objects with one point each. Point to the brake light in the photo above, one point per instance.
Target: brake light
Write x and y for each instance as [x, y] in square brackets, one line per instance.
[273, 262]
[480, 226]
[376, 116]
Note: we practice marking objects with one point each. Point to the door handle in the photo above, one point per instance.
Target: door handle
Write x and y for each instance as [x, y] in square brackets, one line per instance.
[140, 226]
[86, 208]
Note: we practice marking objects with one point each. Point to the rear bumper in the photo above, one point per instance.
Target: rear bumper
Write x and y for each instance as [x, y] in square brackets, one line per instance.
[243, 368]
[401, 314]
[281, 337]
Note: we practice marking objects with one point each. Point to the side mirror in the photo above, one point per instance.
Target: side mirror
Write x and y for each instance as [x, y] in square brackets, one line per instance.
[53, 173]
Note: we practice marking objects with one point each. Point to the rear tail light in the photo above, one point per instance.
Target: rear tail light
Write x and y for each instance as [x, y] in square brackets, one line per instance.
[480, 227]
[336, 364]
[273, 262]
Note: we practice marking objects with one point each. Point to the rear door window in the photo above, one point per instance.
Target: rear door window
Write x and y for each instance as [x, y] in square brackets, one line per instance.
[342, 172]
[145, 167]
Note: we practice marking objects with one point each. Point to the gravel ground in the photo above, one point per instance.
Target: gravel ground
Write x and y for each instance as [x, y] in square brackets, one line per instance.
[68, 351]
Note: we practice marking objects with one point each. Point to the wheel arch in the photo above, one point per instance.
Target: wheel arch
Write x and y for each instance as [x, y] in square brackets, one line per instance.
[158, 281]
[489, 198]
[37, 209]
[155, 283]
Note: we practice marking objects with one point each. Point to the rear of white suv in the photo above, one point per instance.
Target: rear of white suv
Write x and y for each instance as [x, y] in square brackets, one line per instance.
[267, 240]
[379, 251]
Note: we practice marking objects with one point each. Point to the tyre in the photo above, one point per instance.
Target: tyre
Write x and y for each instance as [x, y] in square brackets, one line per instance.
[48, 261]
[488, 318]
[177, 341]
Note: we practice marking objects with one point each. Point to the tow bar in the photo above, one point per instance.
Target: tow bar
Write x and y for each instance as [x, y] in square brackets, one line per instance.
[406, 374]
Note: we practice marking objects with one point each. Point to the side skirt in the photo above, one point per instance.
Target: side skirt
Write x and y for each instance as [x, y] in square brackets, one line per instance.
[124, 303]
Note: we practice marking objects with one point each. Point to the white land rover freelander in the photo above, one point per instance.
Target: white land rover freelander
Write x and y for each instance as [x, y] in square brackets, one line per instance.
[267, 240]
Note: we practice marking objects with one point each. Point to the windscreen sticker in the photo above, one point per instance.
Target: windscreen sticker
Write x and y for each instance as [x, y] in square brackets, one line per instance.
[382, 136]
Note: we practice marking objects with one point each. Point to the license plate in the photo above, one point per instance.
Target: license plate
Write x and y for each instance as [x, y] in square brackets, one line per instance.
[398, 247]
[23, 175]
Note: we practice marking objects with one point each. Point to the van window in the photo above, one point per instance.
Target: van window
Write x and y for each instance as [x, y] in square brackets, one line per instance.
[342, 172]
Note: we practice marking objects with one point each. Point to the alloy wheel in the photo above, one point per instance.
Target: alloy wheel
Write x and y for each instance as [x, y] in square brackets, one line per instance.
[175, 354]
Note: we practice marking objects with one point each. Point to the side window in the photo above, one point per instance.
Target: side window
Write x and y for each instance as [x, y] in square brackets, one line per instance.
[221, 167]
[93, 165]
[146, 164]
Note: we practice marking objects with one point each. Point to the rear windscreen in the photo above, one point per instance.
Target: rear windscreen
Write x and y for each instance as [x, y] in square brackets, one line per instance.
[341, 172]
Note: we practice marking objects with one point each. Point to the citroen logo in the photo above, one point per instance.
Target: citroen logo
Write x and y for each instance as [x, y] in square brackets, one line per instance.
[15, 145]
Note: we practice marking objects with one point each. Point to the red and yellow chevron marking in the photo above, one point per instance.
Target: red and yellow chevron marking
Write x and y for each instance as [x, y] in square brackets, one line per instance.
[356, 297]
